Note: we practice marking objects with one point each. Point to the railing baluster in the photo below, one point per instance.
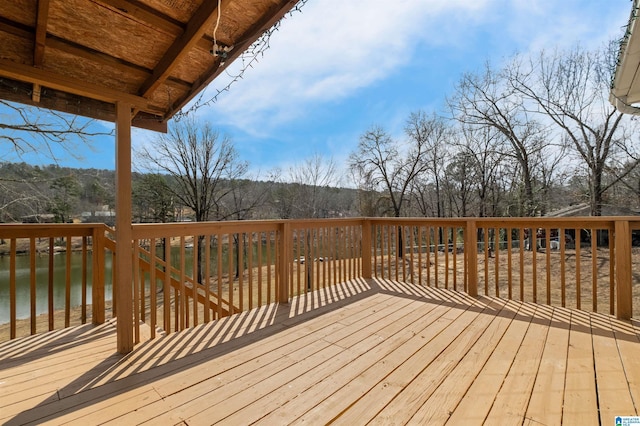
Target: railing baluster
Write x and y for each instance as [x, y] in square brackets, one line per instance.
[547, 250]
[12, 288]
[563, 267]
[496, 250]
[166, 292]
[269, 267]
[485, 248]
[445, 245]
[578, 267]
[259, 235]
[138, 302]
[594, 269]
[612, 271]
[153, 292]
[534, 262]
[510, 262]
[207, 277]
[32, 284]
[67, 283]
[522, 262]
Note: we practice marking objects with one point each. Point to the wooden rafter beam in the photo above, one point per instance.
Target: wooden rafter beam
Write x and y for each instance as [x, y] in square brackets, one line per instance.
[143, 13]
[17, 91]
[276, 13]
[29, 74]
[41, 32]
[201, 21]
[40, 39]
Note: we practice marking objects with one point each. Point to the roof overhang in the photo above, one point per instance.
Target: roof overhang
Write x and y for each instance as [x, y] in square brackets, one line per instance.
[625, 90]
[82, 56]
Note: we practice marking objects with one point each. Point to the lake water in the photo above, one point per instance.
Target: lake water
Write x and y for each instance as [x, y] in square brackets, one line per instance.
[23, 279]
[23, 307]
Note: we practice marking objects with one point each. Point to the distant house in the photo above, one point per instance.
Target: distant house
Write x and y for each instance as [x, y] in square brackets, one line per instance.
[584, 209]
[39, 218]
[106, 216]
[579, 210]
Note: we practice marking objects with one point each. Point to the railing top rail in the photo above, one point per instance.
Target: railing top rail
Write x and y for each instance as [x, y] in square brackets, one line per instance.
[176, 229]
[601, 222]
[151, 230]
[48, 230]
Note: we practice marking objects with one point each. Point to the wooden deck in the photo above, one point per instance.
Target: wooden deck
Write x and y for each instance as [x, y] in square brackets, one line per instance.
[364, 351]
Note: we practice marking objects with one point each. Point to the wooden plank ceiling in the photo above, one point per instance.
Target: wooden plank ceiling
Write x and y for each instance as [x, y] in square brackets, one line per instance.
[81, 56]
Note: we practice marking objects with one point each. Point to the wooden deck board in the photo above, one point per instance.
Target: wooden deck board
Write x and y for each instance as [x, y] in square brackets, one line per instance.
[580, 395]
[545, 404]
[416, 389]
[363, 351]
[478, 400]
[439, 406]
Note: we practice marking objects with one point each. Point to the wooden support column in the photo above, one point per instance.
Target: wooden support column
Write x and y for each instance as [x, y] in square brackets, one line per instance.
[471, 251]
[623, 269]
[124, 233]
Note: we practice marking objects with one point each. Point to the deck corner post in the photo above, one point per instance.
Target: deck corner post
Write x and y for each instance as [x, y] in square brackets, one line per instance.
[471, 255]
[623, 269]
[366, 248]
[98, 273]
[124, 230]
[284, 261]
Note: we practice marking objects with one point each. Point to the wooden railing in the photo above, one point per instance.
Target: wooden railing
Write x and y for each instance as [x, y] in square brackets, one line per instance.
[51, 269]
[191, 273]
[582, 263]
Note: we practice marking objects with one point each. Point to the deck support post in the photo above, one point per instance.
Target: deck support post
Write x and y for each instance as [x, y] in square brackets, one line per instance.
[124, 232]
[284, 261]
[471, 253]
[366, 249]
[623, 269]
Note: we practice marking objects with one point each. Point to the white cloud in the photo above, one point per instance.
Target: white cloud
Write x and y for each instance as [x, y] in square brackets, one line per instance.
[333, 49]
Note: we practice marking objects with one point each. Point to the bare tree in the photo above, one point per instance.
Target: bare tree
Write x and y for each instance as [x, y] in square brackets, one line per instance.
[200, 163]
[26, 129]
[482, 149]
[571, 89]
[307, 192]
[430, 134]
[487, 100]
[387, 166]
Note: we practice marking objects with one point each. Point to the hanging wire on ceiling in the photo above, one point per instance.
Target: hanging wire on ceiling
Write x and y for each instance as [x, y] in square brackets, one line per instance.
[215, 49]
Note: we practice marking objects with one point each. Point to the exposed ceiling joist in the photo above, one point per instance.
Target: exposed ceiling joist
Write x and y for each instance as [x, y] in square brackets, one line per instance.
[20, 72]
[40, 40]
[143, 13]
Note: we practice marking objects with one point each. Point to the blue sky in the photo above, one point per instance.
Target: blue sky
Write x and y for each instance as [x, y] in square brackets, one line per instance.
[339, 67]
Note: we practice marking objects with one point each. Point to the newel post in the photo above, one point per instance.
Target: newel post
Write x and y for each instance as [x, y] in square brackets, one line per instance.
[623, 269]
[284, 260]
[97, 268]
[366, 249]
[471, 250]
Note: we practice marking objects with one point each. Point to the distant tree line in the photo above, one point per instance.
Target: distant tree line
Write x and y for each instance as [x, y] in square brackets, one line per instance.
[61, 194]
